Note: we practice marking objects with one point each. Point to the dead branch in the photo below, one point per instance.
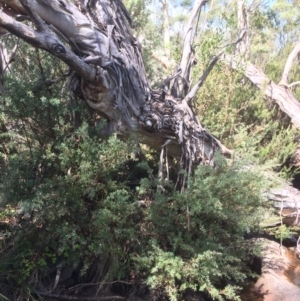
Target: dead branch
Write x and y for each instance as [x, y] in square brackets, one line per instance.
[294, 84]
[181, 84]
[281, 95]
[288, 65]
[166, 25]
[242, 48]
[203, 77]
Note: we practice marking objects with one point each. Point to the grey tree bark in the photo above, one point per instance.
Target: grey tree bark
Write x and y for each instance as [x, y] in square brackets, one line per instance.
[94, 39]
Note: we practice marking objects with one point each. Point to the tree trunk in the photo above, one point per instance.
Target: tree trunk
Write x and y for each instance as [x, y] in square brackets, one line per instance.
[242, 48]
[166, 25]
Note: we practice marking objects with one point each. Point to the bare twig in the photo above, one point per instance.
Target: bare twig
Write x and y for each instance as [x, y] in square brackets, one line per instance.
[293, 84]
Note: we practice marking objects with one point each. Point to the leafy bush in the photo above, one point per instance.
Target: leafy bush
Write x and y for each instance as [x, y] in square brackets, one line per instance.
[74, 198]
[74, 204]
[196, 240]
[75, 207]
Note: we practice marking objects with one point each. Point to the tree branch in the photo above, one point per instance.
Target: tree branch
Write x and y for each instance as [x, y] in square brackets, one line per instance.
[51, 44]
[197, 86]
[38, 22]
[282, 96]
[294, 84]
[5, 61]
[179, 87]
[288, 65]
[212, 63]
[242, 47]
[166, 27]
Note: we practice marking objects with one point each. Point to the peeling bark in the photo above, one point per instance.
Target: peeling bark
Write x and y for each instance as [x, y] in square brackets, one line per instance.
[94, 38]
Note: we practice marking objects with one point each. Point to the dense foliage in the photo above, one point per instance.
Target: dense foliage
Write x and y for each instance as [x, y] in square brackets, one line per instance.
[78, 202]
[75, 199]
[71, 199]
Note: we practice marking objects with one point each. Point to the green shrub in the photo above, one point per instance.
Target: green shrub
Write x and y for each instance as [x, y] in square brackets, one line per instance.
[196, 240]
[73, 197]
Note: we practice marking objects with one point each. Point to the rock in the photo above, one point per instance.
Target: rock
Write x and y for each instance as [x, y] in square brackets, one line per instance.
[285, 197]
[274, 285]
[286, 201]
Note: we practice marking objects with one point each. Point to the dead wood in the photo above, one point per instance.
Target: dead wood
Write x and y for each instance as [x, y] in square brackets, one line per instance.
[288, 65]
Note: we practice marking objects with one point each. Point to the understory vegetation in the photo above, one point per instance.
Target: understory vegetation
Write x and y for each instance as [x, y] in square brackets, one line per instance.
[74, 200]
[71, 198]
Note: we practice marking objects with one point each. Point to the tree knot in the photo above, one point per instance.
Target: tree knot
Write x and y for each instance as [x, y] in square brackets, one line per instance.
[58, 49]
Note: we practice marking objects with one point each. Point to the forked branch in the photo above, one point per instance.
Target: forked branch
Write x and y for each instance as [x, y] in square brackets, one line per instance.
[288, 65]
[181, 84]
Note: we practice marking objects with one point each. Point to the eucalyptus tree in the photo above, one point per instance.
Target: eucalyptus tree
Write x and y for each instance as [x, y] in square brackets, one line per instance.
[95, 40]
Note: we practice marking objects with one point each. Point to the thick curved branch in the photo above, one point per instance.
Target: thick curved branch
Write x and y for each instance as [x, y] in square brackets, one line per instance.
[49, 43]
